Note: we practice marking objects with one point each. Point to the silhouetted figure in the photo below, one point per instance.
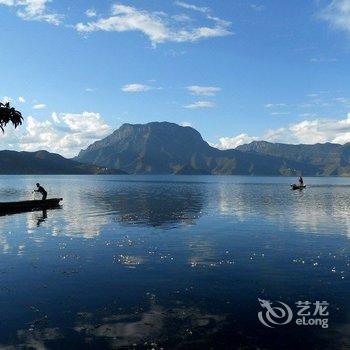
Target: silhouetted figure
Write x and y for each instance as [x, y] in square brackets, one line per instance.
[42, 218]
[301, 181]
[41, 190]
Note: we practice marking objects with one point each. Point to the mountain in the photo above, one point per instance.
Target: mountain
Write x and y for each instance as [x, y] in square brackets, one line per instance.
[330, 159]
[190, 170]
[43, 162]
[167, 148]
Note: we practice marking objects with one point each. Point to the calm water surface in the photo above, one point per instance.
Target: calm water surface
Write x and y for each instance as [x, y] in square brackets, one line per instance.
[173, 262]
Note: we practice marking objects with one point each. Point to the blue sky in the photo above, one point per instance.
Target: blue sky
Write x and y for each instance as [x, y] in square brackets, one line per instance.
[236, 71]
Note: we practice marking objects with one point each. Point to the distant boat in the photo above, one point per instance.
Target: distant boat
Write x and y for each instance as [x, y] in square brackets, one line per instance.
[297, 187]
[17, 207]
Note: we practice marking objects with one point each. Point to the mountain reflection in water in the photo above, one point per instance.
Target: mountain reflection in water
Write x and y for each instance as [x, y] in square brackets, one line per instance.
[154, 205]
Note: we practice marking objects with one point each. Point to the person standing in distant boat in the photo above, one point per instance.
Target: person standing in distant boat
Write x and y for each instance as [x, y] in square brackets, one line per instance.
[41, 190]
[301, 181]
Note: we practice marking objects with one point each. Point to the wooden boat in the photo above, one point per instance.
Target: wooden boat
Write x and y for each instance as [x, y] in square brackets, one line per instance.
[298, 187]
[17, 207]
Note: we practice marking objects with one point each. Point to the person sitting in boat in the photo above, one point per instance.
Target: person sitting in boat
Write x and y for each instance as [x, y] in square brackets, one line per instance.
[301, 181]
[41, 190]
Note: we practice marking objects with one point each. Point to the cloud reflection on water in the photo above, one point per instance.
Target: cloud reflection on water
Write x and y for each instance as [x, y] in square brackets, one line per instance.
[142, 328]
[88, 208]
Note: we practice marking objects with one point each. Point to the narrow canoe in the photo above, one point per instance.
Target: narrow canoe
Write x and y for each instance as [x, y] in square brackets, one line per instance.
[297, 187]
[16, 207]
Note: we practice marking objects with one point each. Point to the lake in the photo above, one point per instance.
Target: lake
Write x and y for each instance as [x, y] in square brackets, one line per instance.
[176, 262]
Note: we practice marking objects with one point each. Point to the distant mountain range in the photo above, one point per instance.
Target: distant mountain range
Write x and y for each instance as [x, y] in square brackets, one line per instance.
[43, 162]
[167, 148]
[328, 159]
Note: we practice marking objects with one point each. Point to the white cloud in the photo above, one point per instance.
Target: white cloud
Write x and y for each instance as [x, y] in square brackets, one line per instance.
[136, 88]
[274, 105]
[257, 8]
[6, 99]
[219, 21]
[342, 100]
[39, 106]
[279, 113]
[158, 27]
[306, 131]
[308, 115]
[90, 13]
[21, 99]
[186, 124]
[200, 104]
[65, 133]
[323, 60]
[337, 13]
[188, 6]
[203, 90]
[33, 10]
[55, 118]
[182, 18]
[7, 2]
[233, 142]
